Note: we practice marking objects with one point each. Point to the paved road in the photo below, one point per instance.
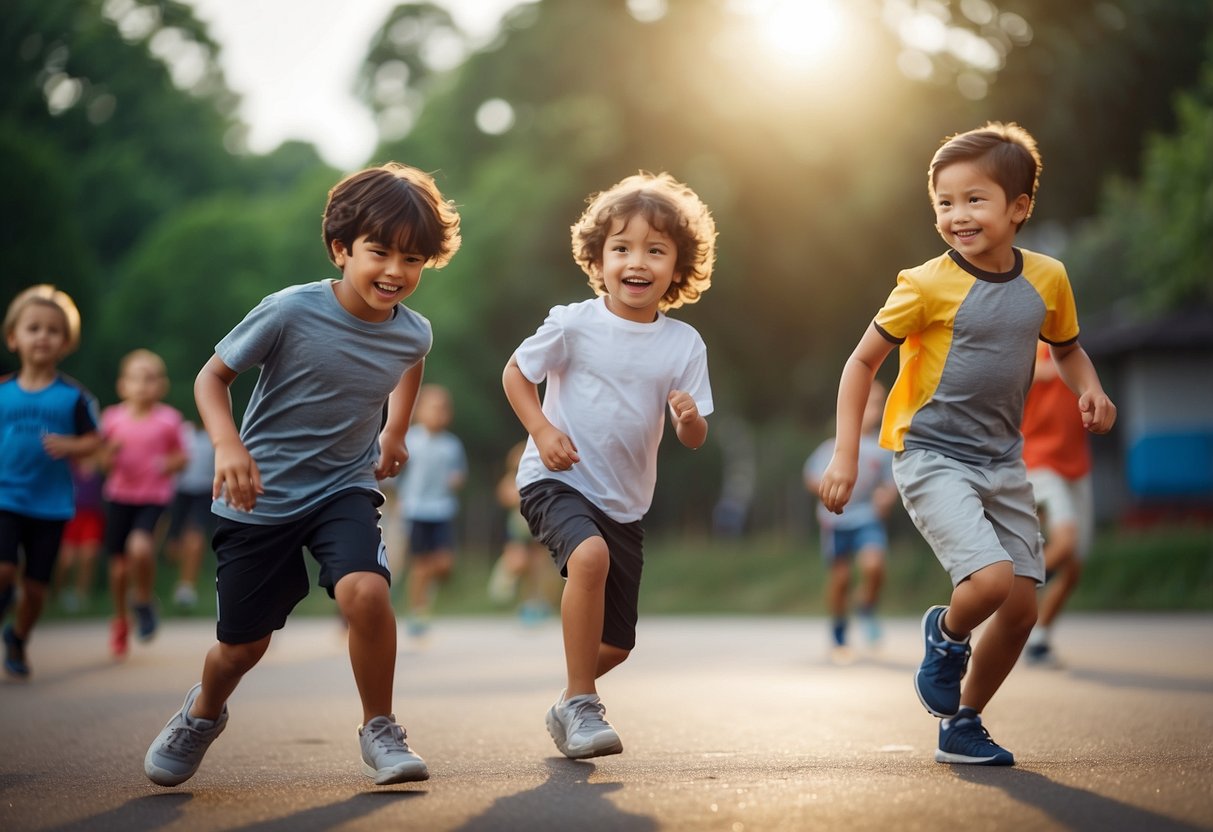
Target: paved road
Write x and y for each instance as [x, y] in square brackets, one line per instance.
[729, 724]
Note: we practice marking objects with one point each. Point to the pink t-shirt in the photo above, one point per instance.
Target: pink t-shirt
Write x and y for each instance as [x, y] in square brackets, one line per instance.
[137, 476]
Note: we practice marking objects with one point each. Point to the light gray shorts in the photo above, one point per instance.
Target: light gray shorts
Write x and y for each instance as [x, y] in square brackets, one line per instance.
[1065, 503]
[971, 517]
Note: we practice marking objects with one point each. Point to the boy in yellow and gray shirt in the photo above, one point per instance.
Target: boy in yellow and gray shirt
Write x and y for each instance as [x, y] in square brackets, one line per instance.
[967, 323]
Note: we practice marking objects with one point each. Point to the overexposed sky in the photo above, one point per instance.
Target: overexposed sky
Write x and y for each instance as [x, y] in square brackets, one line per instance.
[294, 62]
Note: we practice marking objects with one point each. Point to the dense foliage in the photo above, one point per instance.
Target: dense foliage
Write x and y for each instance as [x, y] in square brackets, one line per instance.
[125, 182]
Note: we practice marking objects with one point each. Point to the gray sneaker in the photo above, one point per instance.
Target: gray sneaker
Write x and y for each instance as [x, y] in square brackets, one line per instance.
[579, 727]
[175, 755]
[386, 756]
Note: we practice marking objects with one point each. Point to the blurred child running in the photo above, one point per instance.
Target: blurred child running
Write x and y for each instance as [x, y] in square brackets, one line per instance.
[143, 452]
[522, 571]
[46, 420]
[191, 522]
[429, 501]
[82, 537]
[857, 536]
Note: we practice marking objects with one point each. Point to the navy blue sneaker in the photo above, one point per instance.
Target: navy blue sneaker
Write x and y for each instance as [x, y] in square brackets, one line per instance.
[146, 623]
[943, 666]
[14, 654]
[963, 739]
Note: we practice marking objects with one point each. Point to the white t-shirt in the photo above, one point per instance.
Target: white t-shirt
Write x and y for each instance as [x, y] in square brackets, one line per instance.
[608, 380]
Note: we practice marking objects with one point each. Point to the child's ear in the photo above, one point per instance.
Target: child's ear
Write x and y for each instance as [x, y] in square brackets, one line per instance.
[338, 249]
[1020, 208]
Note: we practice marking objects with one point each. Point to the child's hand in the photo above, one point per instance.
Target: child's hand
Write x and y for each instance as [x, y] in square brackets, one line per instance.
[237, 475]
[556, 450]
[1098, 412]
[56, 445]
[392, 456]
[837, 483]
[682, 405]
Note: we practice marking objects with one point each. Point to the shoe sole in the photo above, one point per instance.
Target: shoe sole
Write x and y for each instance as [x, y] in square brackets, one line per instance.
[611, 747]
[962, 759]
[404, 773]
[917, 690]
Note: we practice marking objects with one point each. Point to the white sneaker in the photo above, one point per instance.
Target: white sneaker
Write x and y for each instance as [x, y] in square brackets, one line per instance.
[386, 756]
[185, 596]
[177, 752]
[579, 727]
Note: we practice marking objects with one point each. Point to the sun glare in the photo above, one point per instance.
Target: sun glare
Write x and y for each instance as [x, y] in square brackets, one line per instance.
[801, 32]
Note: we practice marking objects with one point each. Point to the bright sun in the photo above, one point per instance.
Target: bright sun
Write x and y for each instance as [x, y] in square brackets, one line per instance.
[800, 31]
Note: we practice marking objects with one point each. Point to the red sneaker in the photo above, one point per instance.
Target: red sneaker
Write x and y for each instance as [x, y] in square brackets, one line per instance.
[119, 636]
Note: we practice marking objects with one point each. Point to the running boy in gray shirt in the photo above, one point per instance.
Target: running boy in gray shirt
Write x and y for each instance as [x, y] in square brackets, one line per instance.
[302, 471]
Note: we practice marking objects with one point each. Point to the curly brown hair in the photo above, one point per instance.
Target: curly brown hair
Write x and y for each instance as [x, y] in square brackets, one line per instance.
[667, 205]
[1007, 153]
[395, 205]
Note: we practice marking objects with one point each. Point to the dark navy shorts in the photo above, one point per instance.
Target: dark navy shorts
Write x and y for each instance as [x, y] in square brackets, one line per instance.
[843, 544]
[562, 519]
[429, 537]
[38, 538]
[123, 518]
[190, 511]
[261, 573]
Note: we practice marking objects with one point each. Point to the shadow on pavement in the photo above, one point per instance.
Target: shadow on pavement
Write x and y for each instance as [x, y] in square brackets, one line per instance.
[566, 801]
[148, 812]
[1071, 807]
[332, 815]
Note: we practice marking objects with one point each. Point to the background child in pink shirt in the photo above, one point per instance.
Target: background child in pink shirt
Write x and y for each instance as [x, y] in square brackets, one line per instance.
[143, 450]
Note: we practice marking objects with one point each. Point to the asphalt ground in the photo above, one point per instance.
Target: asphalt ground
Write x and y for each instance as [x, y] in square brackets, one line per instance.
[728, 724]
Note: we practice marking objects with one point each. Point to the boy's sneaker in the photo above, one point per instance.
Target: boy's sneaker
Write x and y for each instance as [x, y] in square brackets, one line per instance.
[963, 739]
[185, 596]
[871, 629]
[14, 654]
[386, 756]
[579, 727]
[176, 753]
[145, 621]
[943, 666]
[119, 638]
[1041, 655]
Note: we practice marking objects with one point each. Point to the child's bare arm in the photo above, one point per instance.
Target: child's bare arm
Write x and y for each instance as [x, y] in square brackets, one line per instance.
[58, 445]
[690, 427]
[556, 450]
[392, 451]
[838, 480]
[235, 471]
[1076, 370]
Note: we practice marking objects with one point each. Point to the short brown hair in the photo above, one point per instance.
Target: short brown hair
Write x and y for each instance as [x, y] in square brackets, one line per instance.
[395, 205]
[1007, 153]
[670, 207]
[45, 294]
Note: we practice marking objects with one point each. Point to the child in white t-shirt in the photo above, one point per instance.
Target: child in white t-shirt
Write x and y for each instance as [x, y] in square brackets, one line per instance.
[612, 366]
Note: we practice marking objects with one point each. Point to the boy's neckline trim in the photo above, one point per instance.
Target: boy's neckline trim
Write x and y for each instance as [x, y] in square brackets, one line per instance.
[990, 277]
[624, 322]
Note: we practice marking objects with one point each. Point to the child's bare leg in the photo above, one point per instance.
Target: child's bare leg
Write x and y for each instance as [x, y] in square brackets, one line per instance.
[837, 584]
[189, 555]
[978, 597]
[366, 604]
[118, 580]
[86, 562]
[609, 657]
[871, 570]
[141, 555]
[581, 613]
[1060, 587]
[29, 609]
[223, 669]
[1000, 644]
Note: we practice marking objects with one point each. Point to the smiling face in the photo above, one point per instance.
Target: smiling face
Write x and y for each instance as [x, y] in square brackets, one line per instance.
[40, 336]
[375, 277]
[974, 216]
[637, 268]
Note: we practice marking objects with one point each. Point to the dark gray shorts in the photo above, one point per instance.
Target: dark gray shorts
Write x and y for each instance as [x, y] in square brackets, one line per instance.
[562, 519]
[261, 574]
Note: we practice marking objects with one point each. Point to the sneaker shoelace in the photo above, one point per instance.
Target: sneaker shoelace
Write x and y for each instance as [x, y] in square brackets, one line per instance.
[588, 715]
[389, 736]
[183, 742]
[976, 738]
[952, 669]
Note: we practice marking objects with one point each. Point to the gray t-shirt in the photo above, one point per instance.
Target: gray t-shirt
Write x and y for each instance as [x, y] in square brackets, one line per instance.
[435, 461]
[313, 420]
